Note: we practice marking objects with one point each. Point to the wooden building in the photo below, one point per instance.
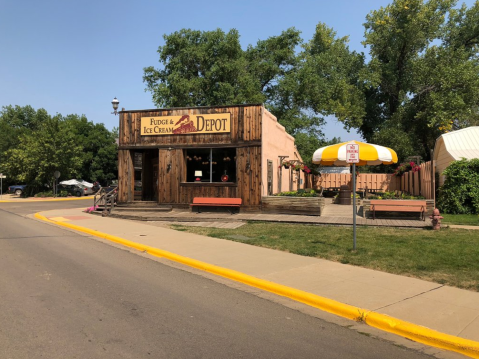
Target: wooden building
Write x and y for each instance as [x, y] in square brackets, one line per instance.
[173, 155]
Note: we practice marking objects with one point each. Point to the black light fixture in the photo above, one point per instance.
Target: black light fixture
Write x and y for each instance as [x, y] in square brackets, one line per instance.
[115, 104]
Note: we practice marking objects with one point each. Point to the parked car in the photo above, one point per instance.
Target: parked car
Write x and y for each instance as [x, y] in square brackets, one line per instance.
[87, 186]
[73, 189]
[17, 189]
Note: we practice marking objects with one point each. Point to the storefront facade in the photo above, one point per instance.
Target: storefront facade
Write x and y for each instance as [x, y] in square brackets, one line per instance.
[173, 155]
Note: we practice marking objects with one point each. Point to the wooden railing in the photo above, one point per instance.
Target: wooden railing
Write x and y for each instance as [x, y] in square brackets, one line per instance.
[106, 198]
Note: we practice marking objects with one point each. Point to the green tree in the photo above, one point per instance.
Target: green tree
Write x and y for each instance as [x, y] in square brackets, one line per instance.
[201, 69]
[332, 78]
[52, 147]
[99, 149]
[16, 121]
[423, 73]
[33, 145]
[210, 68]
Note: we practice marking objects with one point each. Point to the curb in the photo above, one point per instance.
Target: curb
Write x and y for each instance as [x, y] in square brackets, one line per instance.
[380, 321]
[45, 200]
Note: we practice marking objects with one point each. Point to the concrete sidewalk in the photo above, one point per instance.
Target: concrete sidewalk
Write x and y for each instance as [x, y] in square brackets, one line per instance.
[447, 310]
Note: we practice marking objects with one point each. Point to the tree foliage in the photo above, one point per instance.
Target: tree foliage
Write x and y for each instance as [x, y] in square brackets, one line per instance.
[42, 152]
[423, 73]
[209, 68]
[100, 151]
[420, 82]
[460, 192]
[33, 145]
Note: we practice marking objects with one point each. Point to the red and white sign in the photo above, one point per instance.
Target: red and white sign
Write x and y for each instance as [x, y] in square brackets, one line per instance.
[352, 153]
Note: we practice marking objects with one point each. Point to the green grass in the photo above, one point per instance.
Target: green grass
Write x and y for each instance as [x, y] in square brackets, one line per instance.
[466, 219]
[448, 256]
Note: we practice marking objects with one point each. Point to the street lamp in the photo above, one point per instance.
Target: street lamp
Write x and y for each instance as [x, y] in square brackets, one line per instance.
[115, 104]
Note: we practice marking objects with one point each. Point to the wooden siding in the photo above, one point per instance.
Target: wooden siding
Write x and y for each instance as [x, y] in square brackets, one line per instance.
[172, 187]
[245, 127]
[126, 175]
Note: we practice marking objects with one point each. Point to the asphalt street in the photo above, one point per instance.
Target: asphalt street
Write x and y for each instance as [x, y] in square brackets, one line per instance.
[66, 295]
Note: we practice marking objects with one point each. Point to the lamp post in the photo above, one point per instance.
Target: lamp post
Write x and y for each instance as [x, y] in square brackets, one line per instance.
[115, 104]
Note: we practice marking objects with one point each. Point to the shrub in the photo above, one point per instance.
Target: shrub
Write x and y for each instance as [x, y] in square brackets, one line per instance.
[460, 192]
[311, 193]
[44, 194]
[393, 195]
[50, 194]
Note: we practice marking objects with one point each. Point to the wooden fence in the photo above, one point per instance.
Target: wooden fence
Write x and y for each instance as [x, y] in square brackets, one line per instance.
[419, 183]
[373, 181]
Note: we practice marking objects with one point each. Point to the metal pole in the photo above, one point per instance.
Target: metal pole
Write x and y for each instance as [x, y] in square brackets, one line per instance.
[354, 206]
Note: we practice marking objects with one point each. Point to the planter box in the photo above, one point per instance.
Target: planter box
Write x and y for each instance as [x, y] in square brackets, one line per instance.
[429, 206]
[311, 206]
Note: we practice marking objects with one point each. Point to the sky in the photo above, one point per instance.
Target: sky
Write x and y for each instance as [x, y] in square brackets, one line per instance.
[74, 58]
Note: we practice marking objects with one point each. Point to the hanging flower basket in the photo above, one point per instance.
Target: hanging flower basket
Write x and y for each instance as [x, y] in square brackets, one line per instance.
[286, 164]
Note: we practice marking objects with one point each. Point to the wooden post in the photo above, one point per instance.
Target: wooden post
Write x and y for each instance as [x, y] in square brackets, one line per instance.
[433, 179]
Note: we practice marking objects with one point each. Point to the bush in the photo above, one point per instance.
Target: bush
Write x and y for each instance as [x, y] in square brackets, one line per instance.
[300, 193]
[460, 192]
[50, 194]
[394, 195]
[44, 194]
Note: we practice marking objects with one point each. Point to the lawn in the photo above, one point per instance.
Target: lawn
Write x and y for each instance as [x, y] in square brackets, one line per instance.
[467, 219]
[449, 256]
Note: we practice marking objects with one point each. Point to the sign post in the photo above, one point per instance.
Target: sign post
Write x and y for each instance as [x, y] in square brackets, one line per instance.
[57, 175]
[352, 156]
[1, 184]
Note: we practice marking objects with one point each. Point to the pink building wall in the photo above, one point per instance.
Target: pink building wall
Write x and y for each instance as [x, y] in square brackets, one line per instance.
[277, 142]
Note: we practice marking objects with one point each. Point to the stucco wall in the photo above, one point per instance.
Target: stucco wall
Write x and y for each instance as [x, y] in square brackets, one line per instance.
[276, 142]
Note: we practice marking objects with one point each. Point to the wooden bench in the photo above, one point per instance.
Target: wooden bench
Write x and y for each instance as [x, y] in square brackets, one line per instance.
[398, 206]
[215, 202]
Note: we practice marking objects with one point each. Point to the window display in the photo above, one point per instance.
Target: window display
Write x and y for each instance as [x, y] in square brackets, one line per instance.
[211, 165]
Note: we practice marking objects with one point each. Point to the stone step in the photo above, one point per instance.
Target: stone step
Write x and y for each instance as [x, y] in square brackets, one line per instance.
[141, 204]
[139, 208]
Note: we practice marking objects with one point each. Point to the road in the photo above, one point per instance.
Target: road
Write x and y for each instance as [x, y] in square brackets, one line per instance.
[65, 295]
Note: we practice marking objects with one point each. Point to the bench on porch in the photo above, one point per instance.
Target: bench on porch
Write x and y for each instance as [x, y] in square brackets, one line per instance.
[398, 206]
[215, 202]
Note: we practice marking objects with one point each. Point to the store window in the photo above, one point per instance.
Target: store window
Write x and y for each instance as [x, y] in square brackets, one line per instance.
[211, 165]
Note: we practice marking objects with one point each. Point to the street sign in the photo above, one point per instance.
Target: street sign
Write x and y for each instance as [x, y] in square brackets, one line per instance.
[2, 176]
[352, 153]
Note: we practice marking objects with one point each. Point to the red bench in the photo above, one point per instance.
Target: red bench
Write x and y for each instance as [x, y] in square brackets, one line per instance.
[382, 205]
[215, 202]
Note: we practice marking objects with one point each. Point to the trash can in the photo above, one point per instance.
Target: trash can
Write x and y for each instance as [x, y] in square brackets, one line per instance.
[344, 195]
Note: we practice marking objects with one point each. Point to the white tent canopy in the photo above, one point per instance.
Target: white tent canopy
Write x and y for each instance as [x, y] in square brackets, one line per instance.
[77, 182]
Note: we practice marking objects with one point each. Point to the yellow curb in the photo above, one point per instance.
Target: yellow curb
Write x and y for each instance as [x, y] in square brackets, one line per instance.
[46, 200]
[59, 219]
[380, 321]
